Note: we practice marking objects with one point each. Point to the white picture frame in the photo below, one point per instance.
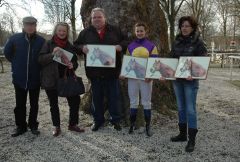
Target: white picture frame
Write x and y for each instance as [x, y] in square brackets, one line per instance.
[161, 67]
[62, 56]
[134, 67]
[196, 67]
[101, 56]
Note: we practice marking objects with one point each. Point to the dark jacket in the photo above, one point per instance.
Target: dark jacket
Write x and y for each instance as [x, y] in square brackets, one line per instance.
[52, 70]
[188, 46]
[113, 36]
[23, 53]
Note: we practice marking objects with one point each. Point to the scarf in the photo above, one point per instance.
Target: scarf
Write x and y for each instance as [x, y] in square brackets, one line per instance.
[60, 42]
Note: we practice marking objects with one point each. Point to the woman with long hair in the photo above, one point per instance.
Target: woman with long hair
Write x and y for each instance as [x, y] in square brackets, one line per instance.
[51, 71]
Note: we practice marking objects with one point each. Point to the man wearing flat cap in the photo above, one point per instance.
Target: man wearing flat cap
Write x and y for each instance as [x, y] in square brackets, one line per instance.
[22, 51]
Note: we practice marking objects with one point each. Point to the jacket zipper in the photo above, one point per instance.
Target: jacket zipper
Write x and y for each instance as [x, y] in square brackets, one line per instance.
[27, 60]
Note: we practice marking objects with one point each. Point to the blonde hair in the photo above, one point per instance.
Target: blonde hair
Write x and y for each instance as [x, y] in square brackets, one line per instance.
[65, 25]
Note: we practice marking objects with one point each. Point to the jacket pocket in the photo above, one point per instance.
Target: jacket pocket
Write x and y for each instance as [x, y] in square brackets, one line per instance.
[49, 76]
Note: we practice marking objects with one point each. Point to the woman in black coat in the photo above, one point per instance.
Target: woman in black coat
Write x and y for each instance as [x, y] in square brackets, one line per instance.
[187, 43]
[51, 71]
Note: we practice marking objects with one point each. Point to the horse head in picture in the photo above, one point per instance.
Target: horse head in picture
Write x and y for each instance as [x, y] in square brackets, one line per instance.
[138, 69]
[104, 57]
[165, 70]
[198, 70]
[63, 58]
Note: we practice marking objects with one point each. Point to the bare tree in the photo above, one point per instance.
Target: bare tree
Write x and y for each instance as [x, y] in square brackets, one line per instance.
[207, 18]
[204, 12]
[197, 7]
[61, 10]
[171, 8]
[3, 3]
[224, 12]
[7, 27]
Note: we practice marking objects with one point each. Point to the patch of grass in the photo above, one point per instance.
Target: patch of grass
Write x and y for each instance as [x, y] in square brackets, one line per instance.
[235, 82]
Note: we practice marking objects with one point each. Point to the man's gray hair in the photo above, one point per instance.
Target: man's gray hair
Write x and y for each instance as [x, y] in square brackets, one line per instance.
[99, 9]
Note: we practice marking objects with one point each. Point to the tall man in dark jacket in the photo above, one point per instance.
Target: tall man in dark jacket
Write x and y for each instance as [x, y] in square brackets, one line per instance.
[104, 81]
[22, 51]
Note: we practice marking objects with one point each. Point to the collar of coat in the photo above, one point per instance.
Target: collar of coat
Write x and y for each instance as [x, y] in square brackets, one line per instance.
[192, 38]
[108, 27]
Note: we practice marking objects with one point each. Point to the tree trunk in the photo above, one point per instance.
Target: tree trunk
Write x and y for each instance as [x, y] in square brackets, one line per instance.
[172, 28]
[73, 20]
[126, 13]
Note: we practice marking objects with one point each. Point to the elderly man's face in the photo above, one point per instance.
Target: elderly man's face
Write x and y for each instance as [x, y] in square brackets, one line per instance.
[29, 28]
[98, 20]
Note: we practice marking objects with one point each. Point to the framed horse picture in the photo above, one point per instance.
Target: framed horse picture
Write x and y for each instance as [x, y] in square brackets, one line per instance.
[161, 67]
[101, 56]
[62, 56]
[196, 67]
[134, 67]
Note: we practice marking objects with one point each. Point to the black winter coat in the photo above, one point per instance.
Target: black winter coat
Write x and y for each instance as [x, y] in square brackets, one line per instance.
[52, 70]
[188, 46]
[113, 36]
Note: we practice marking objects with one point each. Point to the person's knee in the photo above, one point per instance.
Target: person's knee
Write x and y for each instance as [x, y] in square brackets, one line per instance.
[191, 112]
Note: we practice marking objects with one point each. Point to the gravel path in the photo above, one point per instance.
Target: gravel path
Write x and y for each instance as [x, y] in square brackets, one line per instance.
[218, 139]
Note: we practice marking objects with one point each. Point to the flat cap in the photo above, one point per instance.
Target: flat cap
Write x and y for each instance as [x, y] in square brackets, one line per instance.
[29, 19]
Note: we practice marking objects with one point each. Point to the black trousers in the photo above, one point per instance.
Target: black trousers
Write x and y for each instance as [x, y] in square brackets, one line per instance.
[110, 88]
[20, 109]
[73, 102]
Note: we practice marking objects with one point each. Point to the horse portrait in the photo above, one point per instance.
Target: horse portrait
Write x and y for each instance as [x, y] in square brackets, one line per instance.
[61, 57]
[191, 68]
[136, 67]
[102, 56]
[165, 70]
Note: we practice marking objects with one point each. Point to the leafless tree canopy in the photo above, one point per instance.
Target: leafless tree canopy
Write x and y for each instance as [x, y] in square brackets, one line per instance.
[171, 9]
[61, 11]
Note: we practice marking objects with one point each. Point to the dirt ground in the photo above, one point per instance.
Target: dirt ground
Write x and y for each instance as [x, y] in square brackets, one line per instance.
[218, 139]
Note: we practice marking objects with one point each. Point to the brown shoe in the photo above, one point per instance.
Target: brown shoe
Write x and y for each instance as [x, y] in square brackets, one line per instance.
[56, 131]
[76, 128]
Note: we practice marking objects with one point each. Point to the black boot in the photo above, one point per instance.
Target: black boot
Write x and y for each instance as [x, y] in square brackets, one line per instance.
[148, 129]
[147, 115]
[132, 123]
[191, 142]
[182, 135]
[19, 131]
[117, 126]
[149, 132]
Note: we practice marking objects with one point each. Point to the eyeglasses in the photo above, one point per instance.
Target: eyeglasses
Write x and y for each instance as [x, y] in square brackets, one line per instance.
[186, 26]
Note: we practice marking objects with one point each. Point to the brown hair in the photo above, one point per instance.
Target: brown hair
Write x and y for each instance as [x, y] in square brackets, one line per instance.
[192, 21]
[142, 24]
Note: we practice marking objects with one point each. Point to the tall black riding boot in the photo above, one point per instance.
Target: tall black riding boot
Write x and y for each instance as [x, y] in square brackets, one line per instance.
[182, 136]
[191, 142]
[148, 129]
[132, 123]
[147, 115]
[133, 117]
